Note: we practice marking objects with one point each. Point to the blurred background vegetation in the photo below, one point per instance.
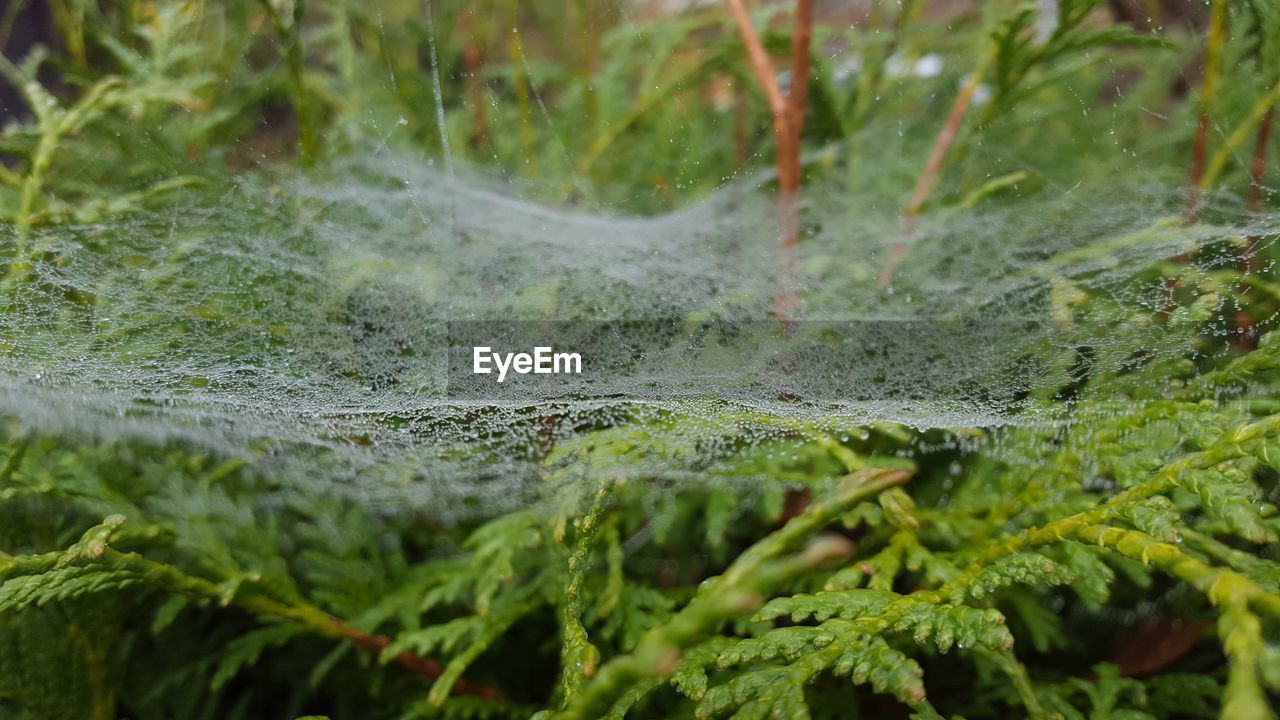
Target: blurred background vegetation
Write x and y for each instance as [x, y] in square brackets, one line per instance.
[645, 107]
[635, 106]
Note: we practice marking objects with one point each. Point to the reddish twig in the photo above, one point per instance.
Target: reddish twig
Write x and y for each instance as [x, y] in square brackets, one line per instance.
[1208, 92]
[1199, 148]
[932, 168]
[779, 104]
[426, 667]
[1248, 337]
[314, 619]
[475, 83]
[941, 145]
[801, 37]
[1258, 168]
[788, 114]
[1257, 178]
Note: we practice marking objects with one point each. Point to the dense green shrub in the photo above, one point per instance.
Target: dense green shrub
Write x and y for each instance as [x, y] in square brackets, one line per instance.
[1103, 546]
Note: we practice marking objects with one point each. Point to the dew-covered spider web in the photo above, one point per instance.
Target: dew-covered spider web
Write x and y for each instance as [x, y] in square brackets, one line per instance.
[321, 324]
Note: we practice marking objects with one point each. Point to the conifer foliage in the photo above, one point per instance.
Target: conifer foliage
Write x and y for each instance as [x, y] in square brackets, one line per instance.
[1108, 553]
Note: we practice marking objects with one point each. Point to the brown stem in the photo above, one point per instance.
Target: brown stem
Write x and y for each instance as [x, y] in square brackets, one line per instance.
[1195, 191]
[426, 667]
[779, 107]
[929, 176]
[941, 145]
[1258, 169]
[1247, 339]
[475, 85]
[94, 547]
[788, 113]
[1208, 92]
[801, 37]
[786, 301]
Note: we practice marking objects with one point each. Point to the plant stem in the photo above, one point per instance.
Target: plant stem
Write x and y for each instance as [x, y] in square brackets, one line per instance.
[1241, 634]
[93, 548]
[870, 81]
[763, 70]
[475, 81]
[523, 83]
[1222, 586]
[588, 62]
[1257, 175]
[31, 187]
[788, 113]
[605, 139]
[1258, 168]
[579, 659]
[1208, 93]
[798, 94]
[8, 19]
[941, 146]
[1257, 116]
[68, 16]
[53, 127]
[933, 166]
[1017, 674]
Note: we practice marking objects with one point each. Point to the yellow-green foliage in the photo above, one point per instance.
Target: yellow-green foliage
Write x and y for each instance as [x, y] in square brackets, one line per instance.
[875, 570]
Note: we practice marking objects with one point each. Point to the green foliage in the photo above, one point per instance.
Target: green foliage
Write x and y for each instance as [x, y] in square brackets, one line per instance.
[653, 572]
[1046, 36]
[1107, 695]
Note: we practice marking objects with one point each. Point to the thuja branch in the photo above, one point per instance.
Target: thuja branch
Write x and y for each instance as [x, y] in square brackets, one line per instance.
[1235, 444]
[1241, 635]
[94, 550]
[1018, 678]
[578, 657]
[736, 592]
[54, 123]
[1233, 592]
[1222, 586]
[1242, 441]
[788, 113]
[1208, 93]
